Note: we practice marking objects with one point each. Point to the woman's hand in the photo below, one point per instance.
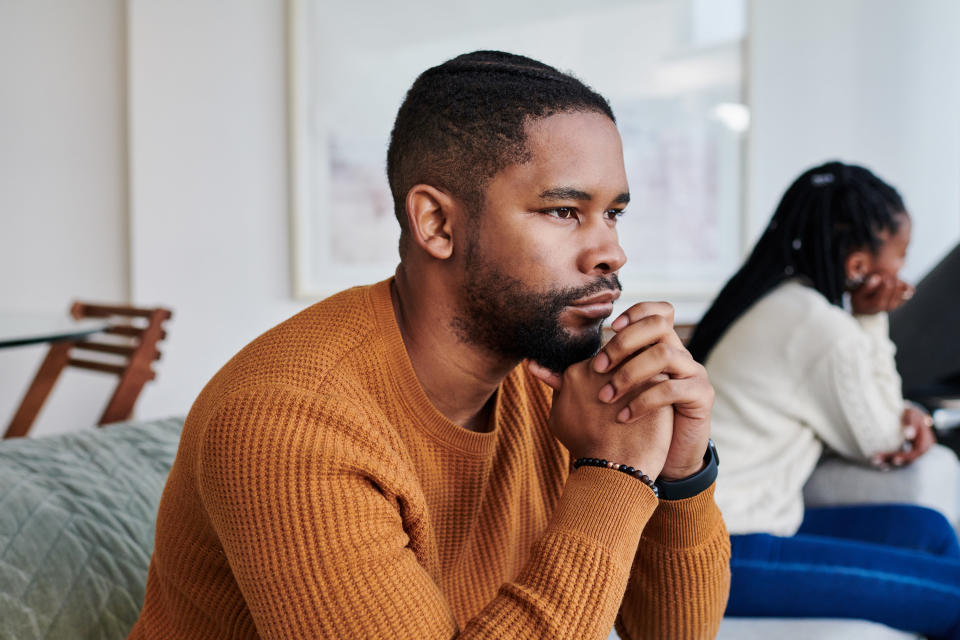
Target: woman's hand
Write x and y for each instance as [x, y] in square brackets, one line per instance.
[918, 437]
[880, 293]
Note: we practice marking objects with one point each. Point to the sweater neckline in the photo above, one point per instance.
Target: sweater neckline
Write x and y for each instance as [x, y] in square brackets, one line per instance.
[411, 392]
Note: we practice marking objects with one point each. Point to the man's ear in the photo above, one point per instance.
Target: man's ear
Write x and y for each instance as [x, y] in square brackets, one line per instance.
[430, 214]
[858, 265]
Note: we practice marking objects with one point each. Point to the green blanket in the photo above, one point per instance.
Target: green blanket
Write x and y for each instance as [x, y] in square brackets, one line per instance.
[77, 514]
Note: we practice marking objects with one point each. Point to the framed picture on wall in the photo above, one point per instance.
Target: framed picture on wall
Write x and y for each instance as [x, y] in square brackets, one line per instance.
[672, 70]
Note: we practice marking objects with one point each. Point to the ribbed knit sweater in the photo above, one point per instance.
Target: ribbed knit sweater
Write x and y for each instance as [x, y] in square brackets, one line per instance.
[317, 493]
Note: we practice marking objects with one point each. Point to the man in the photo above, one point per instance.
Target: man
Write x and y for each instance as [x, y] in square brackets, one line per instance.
[383, 466]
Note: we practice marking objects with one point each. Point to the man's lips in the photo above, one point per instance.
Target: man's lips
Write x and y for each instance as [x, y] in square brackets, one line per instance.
[599, 305]
[604, 297]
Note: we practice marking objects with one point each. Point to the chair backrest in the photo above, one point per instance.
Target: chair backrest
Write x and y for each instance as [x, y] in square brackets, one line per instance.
[127, 348]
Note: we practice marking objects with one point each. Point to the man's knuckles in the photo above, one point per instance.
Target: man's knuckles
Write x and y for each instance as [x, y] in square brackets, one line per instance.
[649, 308]
[639, 334]
[653, 336]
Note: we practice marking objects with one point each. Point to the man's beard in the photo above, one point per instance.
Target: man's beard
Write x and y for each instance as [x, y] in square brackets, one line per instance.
[500, 313]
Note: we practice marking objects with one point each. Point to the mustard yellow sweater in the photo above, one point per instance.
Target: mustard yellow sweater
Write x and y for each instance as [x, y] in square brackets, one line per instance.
[318, 494]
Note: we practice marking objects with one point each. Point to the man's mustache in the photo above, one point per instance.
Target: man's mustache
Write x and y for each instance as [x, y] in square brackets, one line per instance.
[570, 296]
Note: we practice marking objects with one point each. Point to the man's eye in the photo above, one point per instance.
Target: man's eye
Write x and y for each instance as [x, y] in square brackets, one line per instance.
[613, 214]
[563, 213]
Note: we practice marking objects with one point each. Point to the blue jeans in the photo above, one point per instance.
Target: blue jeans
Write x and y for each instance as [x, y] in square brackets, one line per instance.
[894, 564]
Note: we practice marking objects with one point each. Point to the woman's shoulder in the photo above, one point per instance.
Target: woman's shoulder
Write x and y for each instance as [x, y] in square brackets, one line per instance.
[802, 306]
[793, 319]
[810, 324]
[796, 293]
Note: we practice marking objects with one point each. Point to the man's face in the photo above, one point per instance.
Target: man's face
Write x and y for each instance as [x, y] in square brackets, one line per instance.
[541, 259]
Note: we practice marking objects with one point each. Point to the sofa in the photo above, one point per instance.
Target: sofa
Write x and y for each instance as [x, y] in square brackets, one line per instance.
[77, 515]
[77, 518]
[933, 480]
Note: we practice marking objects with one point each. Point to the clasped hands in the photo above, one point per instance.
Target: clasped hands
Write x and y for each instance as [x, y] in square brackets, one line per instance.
[642, 400]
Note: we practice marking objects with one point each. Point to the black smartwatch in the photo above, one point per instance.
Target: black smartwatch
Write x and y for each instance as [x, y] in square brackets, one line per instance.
[695, 484]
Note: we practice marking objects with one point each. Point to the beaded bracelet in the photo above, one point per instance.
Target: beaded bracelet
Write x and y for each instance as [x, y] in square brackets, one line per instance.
[630, 471]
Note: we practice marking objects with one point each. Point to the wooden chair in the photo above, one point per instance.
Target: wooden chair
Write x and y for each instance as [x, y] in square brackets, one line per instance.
[129, 352]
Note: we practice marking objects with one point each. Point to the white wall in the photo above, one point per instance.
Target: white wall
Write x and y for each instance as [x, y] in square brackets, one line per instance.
[874, 82]
[63, 232]
[208, 181]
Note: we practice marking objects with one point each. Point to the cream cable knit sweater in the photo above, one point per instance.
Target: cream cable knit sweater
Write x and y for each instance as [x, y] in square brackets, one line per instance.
[792, 375]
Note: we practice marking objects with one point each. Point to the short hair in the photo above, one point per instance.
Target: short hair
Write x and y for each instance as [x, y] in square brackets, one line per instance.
[465, 120]
[828, 212]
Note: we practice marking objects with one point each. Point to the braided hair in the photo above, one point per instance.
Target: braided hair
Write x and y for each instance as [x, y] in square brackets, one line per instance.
[826, 214]
[465, 120]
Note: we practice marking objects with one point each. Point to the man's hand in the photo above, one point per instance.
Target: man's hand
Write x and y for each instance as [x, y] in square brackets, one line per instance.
[918, 438]
[589, 428]
[879, 293]
[651, 369]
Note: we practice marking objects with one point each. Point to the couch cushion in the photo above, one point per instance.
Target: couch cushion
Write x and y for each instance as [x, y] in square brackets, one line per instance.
[806, 628]
[932, 480]
[77, 515]
[802, 629]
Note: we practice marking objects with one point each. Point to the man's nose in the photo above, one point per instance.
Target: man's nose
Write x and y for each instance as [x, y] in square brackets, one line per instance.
[602, 253]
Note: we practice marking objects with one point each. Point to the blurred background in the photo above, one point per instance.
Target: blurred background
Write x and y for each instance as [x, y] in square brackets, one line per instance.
[204, 155]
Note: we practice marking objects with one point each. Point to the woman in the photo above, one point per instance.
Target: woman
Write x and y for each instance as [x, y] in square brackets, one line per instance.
[797, 348]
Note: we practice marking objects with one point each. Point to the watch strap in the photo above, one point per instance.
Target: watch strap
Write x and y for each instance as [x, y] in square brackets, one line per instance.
[695, 484]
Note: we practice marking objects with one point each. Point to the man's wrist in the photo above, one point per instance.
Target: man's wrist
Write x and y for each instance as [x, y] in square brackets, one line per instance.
[648, 464]
[627, 469]
[683, 474]
[693, 484]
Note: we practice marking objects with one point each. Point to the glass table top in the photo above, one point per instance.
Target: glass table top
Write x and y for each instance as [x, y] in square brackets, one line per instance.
[18, 328]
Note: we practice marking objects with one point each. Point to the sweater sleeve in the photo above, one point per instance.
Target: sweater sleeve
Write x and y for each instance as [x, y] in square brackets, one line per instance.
[318, 548]
[859, 388]
[681, 574]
